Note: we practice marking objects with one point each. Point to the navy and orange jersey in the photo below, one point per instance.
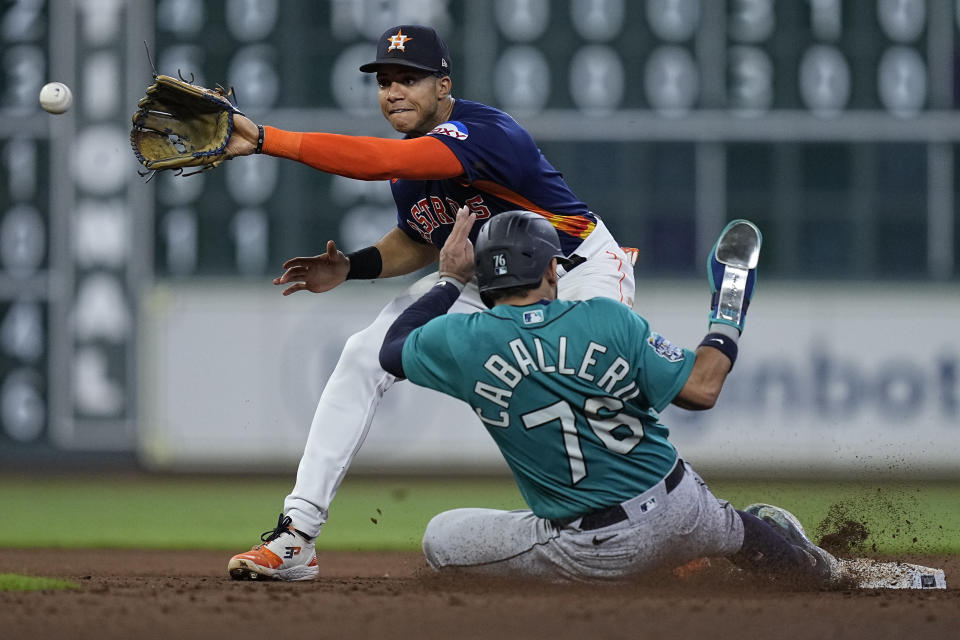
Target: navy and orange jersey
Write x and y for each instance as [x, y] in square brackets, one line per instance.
[503, 170]
[481, 158]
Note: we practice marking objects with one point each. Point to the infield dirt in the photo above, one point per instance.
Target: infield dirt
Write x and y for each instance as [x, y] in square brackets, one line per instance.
[187, 594]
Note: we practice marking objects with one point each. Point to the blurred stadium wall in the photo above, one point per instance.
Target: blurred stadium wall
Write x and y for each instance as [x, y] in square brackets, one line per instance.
[138, 322]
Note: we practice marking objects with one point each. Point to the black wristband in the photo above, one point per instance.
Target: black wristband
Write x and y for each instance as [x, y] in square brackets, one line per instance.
[259, 148]
[365, 264]
[725, 344]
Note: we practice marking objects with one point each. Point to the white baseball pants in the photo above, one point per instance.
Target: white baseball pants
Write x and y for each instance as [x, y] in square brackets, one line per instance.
[357, 384]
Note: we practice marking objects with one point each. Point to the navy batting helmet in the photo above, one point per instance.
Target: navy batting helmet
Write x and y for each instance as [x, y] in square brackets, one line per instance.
[513, 249]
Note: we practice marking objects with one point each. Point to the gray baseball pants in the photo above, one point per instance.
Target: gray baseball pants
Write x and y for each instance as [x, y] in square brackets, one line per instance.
[661, 530]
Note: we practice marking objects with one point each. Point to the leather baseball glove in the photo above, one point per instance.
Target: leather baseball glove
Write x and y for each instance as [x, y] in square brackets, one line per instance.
[179, 125]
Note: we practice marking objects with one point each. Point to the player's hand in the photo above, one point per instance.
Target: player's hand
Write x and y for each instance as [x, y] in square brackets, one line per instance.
[243, 138]
[732, 272]
[456, 257]
[317, 274]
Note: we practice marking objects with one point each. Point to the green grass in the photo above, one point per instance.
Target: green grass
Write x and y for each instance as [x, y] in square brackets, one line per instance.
[901, 517]
[229, 513]
[14, 582]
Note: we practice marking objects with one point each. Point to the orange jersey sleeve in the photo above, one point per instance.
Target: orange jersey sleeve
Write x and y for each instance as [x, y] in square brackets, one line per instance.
[365, 158]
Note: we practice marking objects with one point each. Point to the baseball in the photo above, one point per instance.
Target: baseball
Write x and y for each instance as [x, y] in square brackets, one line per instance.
[55, 97]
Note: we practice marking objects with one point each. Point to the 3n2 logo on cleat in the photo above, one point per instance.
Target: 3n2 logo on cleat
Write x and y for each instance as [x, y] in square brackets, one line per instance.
[291, 551]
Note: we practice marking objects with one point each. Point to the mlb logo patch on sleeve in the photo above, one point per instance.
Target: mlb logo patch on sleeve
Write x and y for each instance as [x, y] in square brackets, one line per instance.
[664, 348]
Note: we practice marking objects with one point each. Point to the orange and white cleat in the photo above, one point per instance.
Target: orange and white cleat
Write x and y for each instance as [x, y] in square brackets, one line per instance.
[286, 554]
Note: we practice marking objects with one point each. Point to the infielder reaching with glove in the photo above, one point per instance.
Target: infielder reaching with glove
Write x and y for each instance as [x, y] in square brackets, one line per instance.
[455, 153]
[569, 391]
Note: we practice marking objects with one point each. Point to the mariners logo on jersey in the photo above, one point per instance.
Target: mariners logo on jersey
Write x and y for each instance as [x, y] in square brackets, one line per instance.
[453, 129]
[398, 40]
[664, 348]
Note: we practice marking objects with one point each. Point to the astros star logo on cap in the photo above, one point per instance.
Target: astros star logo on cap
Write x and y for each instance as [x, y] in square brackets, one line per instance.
[397, 41]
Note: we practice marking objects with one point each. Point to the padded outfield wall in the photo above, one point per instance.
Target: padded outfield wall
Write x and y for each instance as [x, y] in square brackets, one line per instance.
[834, 126]
[841, 380]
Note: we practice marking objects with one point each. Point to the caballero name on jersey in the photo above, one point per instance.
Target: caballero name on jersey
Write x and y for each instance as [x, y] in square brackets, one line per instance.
[524, 363]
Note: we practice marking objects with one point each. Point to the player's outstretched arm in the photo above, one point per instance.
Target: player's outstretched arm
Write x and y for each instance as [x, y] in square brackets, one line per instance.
[732, 274]
[394, 255]
[456, 269]
[357, 157]
[400, 254]
[317, 274]
[702, 388]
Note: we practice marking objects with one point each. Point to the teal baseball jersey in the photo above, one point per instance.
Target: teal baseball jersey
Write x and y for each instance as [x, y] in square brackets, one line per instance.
[569, 390]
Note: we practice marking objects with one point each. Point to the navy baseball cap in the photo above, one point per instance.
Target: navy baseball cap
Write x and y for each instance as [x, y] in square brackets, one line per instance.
[411, 45]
